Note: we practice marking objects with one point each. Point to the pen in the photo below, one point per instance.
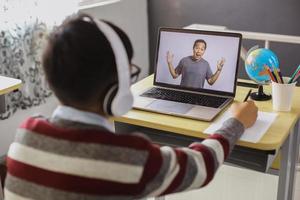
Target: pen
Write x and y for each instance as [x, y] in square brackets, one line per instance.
[246, 98]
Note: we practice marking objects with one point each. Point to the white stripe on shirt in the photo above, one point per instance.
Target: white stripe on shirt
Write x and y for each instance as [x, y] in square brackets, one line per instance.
[107, 170]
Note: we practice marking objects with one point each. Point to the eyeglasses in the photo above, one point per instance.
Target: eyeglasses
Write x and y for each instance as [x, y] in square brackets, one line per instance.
[135, 71]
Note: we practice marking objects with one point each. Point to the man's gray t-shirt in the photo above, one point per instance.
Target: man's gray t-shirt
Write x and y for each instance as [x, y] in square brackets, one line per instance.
[194, 72]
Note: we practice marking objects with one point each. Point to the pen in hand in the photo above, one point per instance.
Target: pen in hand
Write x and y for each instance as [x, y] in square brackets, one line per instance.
[246, 98]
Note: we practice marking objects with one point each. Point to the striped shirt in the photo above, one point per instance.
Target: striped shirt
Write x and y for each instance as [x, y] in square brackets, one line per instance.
[58, 158]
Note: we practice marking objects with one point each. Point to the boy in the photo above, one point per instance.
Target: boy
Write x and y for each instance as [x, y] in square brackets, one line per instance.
[75, 155]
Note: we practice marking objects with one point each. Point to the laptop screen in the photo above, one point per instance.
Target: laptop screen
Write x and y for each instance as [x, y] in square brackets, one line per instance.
[195, 60]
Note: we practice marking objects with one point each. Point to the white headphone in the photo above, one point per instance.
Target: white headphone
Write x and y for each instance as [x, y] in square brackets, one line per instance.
[119, 99]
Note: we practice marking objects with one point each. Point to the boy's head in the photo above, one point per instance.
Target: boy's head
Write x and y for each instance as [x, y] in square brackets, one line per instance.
[199, 48]
[79, 63]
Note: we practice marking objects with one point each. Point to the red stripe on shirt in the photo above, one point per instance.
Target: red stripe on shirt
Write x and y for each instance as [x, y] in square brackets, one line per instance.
[70, 183]
[182, 161]
[153, 164]
[208, 160]
[224, 142]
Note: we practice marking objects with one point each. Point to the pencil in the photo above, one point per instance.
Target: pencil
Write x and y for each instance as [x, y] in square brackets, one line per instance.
[246, 98]
[270, 73]
[294, 74]
[280, 76]
[296, 77]
[277, 75]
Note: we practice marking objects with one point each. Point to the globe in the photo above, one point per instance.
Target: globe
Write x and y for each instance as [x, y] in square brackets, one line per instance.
[256, 61]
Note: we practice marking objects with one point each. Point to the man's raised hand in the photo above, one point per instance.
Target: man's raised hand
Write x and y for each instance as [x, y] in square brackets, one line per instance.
[170, 57]
[220, 64]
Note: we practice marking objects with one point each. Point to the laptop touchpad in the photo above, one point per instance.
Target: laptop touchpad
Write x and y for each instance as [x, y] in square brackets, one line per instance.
[170, 106]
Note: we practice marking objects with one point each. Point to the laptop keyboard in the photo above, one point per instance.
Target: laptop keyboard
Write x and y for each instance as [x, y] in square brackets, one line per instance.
[185, 97]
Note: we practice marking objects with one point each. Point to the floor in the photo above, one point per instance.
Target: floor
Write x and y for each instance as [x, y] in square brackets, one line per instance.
[231, 183]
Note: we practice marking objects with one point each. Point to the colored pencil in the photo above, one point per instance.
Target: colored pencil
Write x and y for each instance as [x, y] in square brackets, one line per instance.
[296, 77]
[294, 74]
[270, 73]
[277, 75]
[275, 78]
[280, 76]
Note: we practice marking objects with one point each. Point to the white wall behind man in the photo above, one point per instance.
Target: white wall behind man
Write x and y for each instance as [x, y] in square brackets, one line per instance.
[132, 17]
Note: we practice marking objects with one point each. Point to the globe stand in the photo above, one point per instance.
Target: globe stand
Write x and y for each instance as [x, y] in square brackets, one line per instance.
[260, 95]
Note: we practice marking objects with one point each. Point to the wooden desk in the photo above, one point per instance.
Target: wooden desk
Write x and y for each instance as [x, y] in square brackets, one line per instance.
[7, 85]
[282, 135]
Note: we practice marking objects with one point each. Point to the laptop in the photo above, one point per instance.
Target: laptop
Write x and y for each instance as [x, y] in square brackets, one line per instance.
[195, 74]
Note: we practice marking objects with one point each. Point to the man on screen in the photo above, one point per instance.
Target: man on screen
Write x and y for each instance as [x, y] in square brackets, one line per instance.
[194, 69]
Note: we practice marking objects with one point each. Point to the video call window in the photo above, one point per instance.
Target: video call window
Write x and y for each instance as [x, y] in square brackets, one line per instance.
[197, 61]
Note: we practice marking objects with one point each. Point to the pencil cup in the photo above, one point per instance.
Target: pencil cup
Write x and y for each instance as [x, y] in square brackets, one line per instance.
[282, 95]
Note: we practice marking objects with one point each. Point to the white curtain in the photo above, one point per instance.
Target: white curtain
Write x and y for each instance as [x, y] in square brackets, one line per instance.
[24, 27]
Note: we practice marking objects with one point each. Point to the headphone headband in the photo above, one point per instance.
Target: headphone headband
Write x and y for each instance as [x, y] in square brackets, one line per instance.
[121, 101]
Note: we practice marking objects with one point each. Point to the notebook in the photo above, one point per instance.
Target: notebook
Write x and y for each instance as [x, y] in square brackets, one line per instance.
[195, 74]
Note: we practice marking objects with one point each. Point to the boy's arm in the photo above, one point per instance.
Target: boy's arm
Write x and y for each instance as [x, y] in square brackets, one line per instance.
[189, 168]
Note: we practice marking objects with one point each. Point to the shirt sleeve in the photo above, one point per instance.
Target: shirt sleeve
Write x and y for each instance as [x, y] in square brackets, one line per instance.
[178, 69]
[208, 72]
[181, 169]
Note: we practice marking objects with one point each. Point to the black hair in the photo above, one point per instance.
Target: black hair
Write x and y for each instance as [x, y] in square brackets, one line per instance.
[199, 41]
[79, 62]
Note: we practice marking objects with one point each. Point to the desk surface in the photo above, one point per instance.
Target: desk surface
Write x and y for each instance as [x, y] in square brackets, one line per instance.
[9, 84]
[272, 140]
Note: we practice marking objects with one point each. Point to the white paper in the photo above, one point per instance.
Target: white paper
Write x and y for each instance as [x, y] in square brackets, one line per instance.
[252, 134]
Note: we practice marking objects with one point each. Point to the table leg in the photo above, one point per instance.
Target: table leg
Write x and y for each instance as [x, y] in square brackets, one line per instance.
[289, 157]
[2, 103]
[294, 160]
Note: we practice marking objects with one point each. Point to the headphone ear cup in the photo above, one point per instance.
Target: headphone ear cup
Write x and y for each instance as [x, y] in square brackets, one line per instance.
[108, 99]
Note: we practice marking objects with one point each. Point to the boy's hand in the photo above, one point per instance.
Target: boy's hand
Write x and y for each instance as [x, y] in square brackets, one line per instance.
[245, 112]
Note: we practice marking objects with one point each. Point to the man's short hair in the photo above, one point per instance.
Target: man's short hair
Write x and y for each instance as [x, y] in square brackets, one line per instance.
[79, 62]
[199, 41]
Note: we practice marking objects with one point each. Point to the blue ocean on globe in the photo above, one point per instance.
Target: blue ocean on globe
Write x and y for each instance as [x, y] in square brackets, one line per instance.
[255, 64]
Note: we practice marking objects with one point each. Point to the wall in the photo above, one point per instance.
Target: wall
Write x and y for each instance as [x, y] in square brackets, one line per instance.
[8, 127]
[270, 16]
[131, 16]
